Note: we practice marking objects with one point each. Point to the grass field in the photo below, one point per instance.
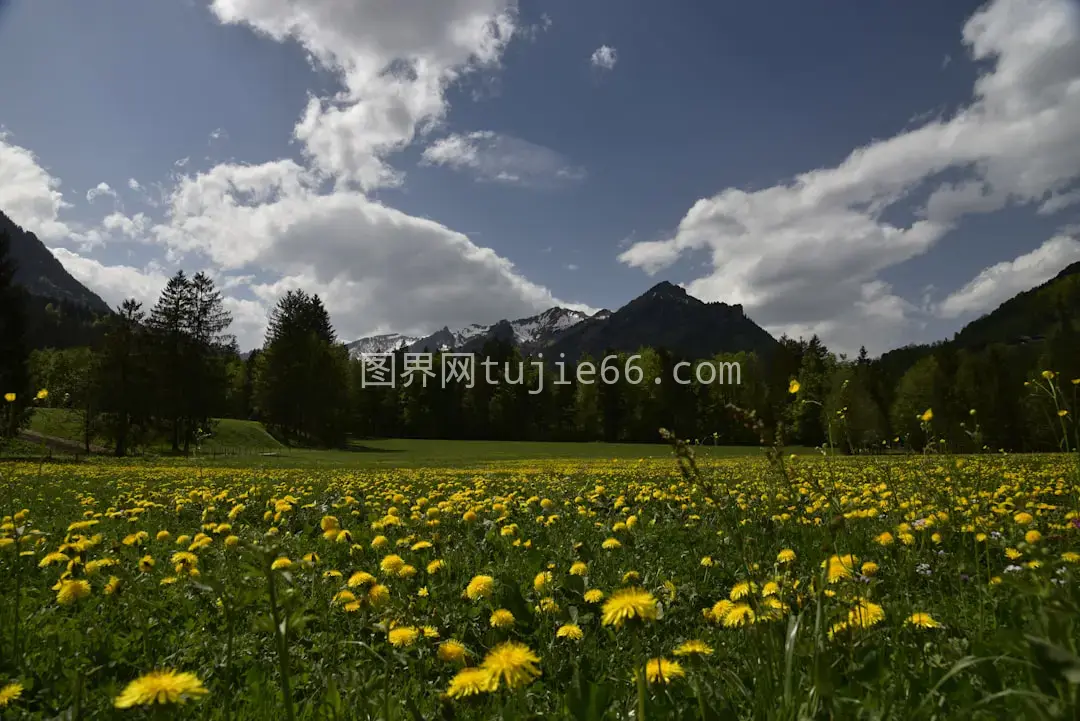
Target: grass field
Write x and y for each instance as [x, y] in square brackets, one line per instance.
[926, 587]
[240, 443]
[412, 453]
[229, 434]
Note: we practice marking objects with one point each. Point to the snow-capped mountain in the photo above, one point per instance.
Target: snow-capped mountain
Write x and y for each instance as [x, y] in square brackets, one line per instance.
[380, 343]
[527, 333]
[540, 328]
[664, 317]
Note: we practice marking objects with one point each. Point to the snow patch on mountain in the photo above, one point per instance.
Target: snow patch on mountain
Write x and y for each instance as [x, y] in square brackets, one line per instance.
[380, 344]
[532, 331]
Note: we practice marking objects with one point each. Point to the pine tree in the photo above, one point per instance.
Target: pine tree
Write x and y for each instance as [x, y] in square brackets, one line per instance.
[303, 384]
[15, 389]
[123, 377]
[205, 378]
[168, 323]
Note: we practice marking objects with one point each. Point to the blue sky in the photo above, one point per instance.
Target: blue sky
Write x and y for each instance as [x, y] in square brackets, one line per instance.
[874, 173]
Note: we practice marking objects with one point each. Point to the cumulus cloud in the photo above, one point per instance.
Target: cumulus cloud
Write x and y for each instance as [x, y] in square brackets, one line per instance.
[132, 227]
[395, 61]
[604, 58]
[29, 195]
[114, 283]
[100, 190]
[996, 284]
[500, 158]
[805, 252]
[282, 224]
[375, 266]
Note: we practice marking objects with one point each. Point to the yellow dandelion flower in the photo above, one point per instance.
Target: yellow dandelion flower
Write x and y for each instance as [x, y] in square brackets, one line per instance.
[471, 682]
[571, 631]
[693, 647]
[840, 567]
[403, 636]
[742, 589]
[480, 587]
[360, 578]
[627, 604]
[71, 591]
[9, 693]
[391, 564]
[865, 614]
[661, 670]
[542, 581]
[502, 618]
[451, 651]
[378, 595]
[739, 614]
[922, 620]
[512, 663]
[160, 687]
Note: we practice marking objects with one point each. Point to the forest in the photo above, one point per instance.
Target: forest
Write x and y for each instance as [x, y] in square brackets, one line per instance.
[163, 374]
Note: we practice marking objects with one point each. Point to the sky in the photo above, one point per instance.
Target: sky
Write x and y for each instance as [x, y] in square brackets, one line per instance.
[877, 174]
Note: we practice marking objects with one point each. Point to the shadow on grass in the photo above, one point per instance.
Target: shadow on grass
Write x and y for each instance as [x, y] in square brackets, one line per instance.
[355, 447]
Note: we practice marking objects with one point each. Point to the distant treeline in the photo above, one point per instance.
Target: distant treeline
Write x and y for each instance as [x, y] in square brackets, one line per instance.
[169, 370]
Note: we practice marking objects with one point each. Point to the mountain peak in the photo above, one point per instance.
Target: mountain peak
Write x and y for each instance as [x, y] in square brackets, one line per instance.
[668, 289]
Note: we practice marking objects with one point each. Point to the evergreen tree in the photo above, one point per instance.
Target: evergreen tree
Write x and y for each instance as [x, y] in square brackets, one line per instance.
[15, 389]
[303, 383]
[168, 322]
[124, 377]
[208, 347]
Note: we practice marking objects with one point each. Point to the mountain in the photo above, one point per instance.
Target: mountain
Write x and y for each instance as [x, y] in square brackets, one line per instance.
[380, 343]
[666, 316]
[526, 333]
[42, 274]
[1029, 316]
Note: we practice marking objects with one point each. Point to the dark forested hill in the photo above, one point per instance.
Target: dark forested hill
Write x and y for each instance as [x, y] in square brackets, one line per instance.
[1031, 315]
[42, 274]
[61, 311]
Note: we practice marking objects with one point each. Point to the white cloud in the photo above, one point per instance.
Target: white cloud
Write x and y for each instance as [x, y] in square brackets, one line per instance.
[271, 226]
[996, 284]
[114, 283]
[502, 158]
[803, 253]
[604, 58]
[29, 195]
[100, 190]
[132, 227]
[395, 61]
[375, 266]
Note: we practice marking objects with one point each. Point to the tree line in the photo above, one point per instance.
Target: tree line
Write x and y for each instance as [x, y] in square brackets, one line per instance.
[163, 375]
